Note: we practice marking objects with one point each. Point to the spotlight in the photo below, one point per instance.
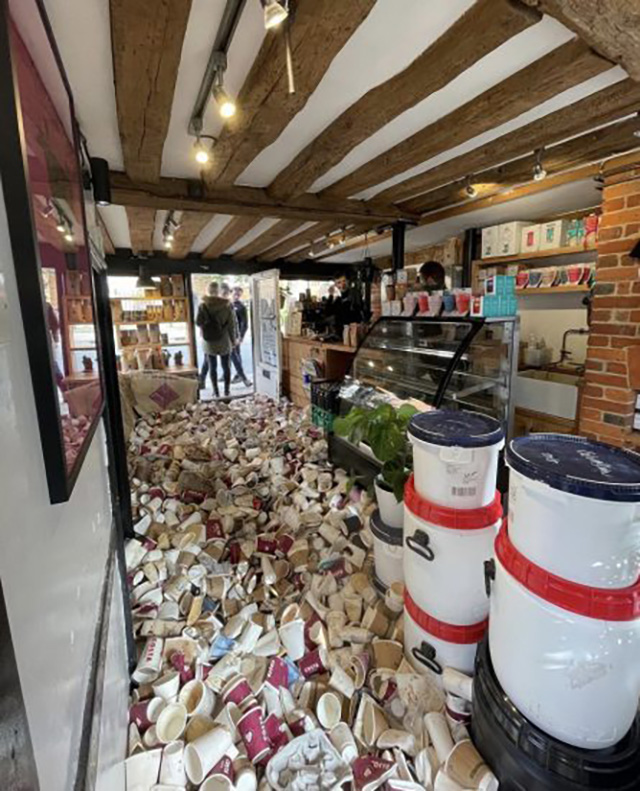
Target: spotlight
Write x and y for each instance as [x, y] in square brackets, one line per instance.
[539, 173]
[100, 181]
[68, 236]
[168, 243]
[469, 189]
[226, 105]
[61, 226]
[144, 280]
[169, 237]
[275, 12]
[201, 152]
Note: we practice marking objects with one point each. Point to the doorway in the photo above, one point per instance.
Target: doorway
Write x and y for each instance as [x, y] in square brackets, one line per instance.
[239, 288]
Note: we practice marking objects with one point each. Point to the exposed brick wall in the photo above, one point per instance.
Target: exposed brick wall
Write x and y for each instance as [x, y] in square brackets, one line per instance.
[608, 401]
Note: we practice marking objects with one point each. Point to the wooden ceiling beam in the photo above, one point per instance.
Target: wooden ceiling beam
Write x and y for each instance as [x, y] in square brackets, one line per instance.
[563, 68]
[142, 224]
[327, 247]
[147, 38]
[488, 23]
[611, 27]
[191, 224]
[232, 232]
[186, 195]
[301, 239]
[602, 107]
[267, 239]
[320, 30]
[593, 147]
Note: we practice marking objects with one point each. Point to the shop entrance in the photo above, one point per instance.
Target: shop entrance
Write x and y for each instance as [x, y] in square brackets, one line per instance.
[238, 288]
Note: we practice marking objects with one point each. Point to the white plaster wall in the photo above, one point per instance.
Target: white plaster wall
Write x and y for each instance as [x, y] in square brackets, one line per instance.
[114, 715]
[52, 558]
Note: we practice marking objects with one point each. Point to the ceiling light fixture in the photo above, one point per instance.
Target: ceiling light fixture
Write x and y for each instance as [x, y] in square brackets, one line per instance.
[275, 12]
[100, 181]
[201, 151]
[539, 173]
[144, 280]
[226, 105]
[469, 189]
[68, 236]
[171, 225]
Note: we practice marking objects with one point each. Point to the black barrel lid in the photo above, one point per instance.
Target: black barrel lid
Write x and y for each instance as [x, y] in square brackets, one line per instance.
[448, 427]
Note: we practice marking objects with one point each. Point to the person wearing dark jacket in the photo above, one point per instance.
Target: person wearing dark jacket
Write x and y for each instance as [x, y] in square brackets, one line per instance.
[240, 310]
[219, 333]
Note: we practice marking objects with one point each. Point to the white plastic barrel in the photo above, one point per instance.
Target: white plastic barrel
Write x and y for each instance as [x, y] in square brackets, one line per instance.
[455, 457]
[574, 508]
[431, 645]
[565, 654]
[387, 550]
[444, 555]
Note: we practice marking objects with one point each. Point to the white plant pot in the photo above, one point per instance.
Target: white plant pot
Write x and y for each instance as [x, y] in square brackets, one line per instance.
[569, 515]
[455, 457]
[387, 551]
[576, 677]
[444, 564]
[391, 511]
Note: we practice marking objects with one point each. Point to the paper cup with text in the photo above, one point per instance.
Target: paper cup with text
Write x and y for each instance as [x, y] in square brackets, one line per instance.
[150, 662]
[201, 755]
[254, 734]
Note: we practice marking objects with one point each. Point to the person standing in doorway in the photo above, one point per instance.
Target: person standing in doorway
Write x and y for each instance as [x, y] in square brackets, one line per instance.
[219, 333]
[240, 310]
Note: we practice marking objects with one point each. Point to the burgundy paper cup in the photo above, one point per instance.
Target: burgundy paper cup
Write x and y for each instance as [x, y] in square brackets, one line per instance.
[237, 690]
[225, 768]
[313, 663]
[146, 713]
[267, 544]
[285, 542]
[254, 735]
[276, 732]
[214, 529]
[277, 673]
[297, 726]
[235, 552]
[370, 771]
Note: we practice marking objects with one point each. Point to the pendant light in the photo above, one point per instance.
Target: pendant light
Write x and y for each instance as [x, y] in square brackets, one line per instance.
[539, 173]
[275, 12]
[144, 280]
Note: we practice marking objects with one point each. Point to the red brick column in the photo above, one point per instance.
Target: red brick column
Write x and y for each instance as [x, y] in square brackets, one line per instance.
[608, 401]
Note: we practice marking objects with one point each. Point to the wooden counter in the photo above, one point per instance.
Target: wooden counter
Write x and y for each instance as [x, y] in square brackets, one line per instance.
[335, 359]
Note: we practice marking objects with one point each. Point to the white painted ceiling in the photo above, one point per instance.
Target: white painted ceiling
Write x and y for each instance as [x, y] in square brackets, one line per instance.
[386, 42]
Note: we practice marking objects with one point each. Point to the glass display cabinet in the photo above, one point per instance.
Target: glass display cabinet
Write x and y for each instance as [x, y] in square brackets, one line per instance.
[445, 363]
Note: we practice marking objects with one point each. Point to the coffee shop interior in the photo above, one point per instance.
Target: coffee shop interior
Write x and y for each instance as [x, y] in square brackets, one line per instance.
[299, 301]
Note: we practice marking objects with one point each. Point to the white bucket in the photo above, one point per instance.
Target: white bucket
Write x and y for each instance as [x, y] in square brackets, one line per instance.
[391, 511]
[431, 645]
[575, 672]
[387, 550]
[455, 457]
[444, 555]
[574, 508]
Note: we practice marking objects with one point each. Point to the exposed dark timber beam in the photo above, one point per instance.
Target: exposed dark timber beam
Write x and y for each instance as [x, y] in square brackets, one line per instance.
[124, 264]
[142, 223]
[191, 223]
[267, 239]
[602, 107]
[232, 232]
[550, 75]
[592, 147]
[147, 38]
[185, 195]
[488, 23]
[611, 27]
[291, 244]
[319, 31]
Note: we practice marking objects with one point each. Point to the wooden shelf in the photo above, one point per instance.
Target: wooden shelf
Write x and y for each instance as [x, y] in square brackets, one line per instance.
[145, 299]
[540, 254]
[540, 291]
[133, 323]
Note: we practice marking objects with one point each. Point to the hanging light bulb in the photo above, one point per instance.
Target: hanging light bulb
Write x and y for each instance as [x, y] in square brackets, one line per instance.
[201, 152]
[226, 105]
[275, 12]
[539, 173]
[168, 243]
[61, 226]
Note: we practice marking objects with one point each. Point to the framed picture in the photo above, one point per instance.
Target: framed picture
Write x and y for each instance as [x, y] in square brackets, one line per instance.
[43, 190]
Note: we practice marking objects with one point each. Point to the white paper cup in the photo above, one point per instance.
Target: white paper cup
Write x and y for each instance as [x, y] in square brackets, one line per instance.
[445, 783]
[440, 735]
[329, 710]
[197, 698]
[343, 740]
[150, 662]
[343, 682]
[292, 637]
[172, 767]
[171, 723]
[150, 738]
[217, 783]
[201, 755]
[246, 779]
[167, 686]
[458, 683]
[197, 726]
[142, 770]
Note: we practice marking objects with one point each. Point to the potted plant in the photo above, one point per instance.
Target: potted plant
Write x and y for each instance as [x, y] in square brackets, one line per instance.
[384, 429]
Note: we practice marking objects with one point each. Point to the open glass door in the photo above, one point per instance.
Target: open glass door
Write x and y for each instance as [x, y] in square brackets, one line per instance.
[265, 291]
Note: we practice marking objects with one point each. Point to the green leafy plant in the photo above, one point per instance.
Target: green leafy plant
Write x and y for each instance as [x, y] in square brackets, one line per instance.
[384, 429]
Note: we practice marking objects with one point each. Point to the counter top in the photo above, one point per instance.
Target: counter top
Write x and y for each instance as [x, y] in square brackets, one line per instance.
[335, 347]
